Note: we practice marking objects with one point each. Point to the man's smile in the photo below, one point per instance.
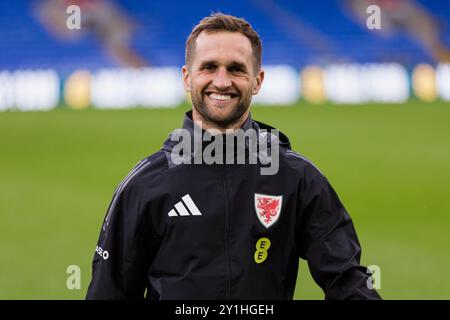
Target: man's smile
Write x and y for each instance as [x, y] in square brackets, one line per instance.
[221, 98]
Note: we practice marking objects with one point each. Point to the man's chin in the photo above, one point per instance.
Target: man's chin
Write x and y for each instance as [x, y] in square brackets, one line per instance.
[222, 111]
[222, 116]
[222, 119]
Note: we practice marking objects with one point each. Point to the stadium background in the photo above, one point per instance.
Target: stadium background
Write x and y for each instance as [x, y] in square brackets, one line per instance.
[78, 108]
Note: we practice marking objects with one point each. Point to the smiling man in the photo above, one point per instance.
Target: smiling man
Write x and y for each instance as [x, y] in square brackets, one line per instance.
[222, 72]
[224, 230]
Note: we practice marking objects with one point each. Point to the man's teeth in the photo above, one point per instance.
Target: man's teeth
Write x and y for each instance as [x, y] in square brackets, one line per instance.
[220, 96]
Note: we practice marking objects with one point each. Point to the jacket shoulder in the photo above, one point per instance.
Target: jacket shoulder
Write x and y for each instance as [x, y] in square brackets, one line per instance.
[144, 172]
[299, 163]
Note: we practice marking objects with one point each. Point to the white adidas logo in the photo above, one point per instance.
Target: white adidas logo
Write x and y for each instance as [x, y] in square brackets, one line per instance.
[182, 210]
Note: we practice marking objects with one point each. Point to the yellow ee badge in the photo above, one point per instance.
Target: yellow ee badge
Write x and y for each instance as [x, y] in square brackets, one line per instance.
[262, 245]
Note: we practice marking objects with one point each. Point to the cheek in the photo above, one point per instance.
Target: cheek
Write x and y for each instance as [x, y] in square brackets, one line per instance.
[245, 86]
[200, 82]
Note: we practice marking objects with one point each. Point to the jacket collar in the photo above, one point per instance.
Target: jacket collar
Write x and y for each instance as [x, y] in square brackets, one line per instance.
[197, 144]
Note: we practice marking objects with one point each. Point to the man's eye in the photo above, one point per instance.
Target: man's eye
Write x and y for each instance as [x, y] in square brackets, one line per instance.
[235, 69]
[209, 67]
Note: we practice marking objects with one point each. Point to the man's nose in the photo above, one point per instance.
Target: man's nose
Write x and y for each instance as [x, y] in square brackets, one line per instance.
[221, 79]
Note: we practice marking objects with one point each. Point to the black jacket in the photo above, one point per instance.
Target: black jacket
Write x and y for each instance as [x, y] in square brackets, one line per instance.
[193, 232]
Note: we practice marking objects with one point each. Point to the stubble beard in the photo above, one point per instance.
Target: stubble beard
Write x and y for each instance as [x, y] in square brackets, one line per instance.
[230, 120]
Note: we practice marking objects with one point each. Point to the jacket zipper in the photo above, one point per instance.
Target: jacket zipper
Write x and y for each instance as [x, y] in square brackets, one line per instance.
[226, 236]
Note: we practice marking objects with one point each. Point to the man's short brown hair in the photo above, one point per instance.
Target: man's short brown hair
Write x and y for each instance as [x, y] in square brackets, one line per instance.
[217, 22]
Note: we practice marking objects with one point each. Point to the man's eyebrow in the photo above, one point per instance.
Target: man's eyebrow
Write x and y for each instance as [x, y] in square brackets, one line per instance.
[208, 62]
[232, 64]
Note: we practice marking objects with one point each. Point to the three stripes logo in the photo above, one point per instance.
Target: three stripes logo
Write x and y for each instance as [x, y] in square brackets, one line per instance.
[186, 207]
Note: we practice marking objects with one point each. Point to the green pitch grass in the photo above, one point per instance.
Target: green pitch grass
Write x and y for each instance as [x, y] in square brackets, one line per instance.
[390, 165]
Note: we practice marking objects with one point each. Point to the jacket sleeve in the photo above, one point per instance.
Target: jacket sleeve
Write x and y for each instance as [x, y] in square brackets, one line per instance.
[327, 240]
[122, 257]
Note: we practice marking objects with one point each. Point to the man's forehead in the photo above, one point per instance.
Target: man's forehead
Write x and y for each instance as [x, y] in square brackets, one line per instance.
[223, 44]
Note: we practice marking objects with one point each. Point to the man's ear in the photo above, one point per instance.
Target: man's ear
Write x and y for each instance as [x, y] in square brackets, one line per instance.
[186, 76]
[258, 82]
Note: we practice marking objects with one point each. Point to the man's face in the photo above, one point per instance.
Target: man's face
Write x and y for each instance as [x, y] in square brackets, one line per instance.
[222, 78]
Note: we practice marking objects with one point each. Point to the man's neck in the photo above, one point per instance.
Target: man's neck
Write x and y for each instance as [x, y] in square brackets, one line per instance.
[214, 128]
